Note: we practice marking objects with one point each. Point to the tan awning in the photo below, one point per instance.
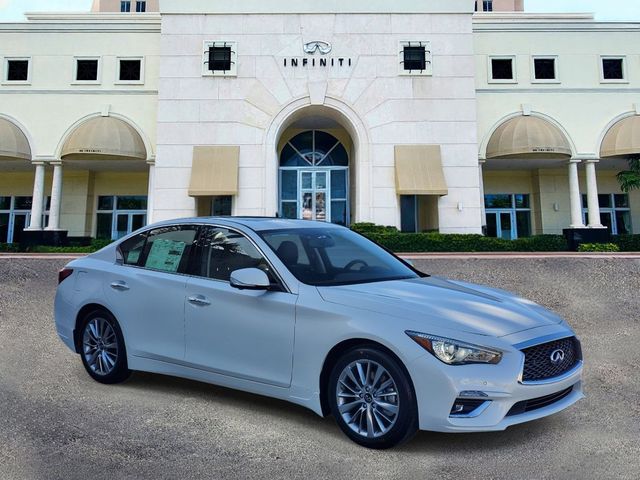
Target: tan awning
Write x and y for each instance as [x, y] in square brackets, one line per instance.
[214, 171]
[622, 139]
[527, 136]
[419, 170]
[13, 143]
[103, 137]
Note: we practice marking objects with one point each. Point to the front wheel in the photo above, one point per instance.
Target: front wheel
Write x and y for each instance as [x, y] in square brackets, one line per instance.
[102, 348]
[372, 398]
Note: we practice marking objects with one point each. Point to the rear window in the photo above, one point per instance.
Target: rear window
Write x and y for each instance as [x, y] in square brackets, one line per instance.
[165, 249]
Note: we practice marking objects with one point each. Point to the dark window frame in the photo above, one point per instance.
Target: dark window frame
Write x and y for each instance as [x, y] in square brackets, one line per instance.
[86, 61]
[493, 61]
[131, 60]
[125, 6]
[538, 75]
[14, 66]
[141, 6]
[607, 69]
[418, 62]
[220, 64]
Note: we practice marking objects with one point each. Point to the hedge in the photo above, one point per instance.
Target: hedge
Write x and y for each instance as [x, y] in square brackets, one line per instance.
[394, 240]
[96, 244]
[598, 247]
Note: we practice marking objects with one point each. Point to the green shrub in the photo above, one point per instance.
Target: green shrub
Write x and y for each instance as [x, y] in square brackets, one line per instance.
[371, 228]
[9, 247]
[96, 244]
[628, 243]
[598, 247]
[390, 238]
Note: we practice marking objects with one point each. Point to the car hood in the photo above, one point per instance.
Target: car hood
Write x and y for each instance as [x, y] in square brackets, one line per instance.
[440, 303]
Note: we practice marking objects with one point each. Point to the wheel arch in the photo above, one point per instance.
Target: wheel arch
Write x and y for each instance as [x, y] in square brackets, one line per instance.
[90, 307]
[337, 351]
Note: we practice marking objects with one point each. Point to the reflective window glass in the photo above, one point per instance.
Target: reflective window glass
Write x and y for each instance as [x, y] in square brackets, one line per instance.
[167, 249]
[222, 251]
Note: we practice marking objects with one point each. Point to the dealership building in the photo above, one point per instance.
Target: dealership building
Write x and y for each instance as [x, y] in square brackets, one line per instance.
[430, 115]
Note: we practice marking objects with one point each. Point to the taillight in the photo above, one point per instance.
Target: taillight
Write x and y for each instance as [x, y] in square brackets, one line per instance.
[64, 274]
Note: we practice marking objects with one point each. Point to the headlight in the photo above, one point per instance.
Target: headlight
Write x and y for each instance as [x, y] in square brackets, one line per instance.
[453, 352]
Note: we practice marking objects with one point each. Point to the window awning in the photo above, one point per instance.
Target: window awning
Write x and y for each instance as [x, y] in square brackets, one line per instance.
[214, 171]
[103, 137]
[622, 139]
[419, 170]
[13, 143]
[527, 136]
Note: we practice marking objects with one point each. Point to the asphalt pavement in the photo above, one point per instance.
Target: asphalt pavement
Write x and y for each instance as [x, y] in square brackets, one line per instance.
[57, 423]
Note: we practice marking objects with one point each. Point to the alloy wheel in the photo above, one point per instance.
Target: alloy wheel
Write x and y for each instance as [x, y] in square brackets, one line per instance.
[100, 346]
[367, 398]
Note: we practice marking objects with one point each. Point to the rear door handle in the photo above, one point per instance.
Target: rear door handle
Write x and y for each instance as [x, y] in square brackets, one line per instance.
[120, 285]
[198, 300]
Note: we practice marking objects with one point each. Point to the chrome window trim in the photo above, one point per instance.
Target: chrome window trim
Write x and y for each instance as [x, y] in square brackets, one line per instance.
[120, 261]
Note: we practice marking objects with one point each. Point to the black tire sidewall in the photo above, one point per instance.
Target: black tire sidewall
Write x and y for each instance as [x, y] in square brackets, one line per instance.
[407, 422]
[121, 370]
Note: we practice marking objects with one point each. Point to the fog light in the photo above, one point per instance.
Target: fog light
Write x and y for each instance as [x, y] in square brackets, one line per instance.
[467, 407]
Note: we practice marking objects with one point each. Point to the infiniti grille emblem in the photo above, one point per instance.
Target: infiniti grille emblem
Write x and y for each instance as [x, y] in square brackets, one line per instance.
[312, 47]
[557, 356]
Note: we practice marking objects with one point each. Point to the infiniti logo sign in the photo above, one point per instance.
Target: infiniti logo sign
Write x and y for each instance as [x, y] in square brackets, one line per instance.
[557, 356]
[312, 47]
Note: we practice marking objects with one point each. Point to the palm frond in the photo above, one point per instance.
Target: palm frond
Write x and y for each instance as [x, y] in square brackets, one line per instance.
[630, 179]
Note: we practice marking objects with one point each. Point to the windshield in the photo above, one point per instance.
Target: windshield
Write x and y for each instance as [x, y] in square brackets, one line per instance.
[336, 256]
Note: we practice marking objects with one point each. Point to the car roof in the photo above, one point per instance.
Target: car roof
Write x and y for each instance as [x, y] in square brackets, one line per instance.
[257, 224]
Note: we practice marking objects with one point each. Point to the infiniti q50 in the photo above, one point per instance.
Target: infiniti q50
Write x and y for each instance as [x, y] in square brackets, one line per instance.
[318, 315]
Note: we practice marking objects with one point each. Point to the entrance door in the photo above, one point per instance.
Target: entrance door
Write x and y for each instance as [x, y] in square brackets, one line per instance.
[314, 178]
[501, 224]
[314, 196]
[20, 222]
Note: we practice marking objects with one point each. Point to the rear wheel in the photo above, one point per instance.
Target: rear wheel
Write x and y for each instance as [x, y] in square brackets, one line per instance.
[102, 348]
[372, 398]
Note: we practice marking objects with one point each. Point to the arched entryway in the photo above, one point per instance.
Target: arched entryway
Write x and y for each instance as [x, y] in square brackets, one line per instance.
[314, 177]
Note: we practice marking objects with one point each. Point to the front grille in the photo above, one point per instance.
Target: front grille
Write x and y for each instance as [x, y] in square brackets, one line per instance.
[538, 364]
[540, 402]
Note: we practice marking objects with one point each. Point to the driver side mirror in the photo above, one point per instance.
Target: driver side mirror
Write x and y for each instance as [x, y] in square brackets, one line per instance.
[250, 279]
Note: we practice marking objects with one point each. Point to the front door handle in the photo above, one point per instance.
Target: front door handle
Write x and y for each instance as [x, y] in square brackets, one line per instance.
[120, 285]
[198, 300]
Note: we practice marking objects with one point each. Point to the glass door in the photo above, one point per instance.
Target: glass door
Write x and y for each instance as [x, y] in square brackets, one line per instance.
[20, 222]
[501, 225]
[314, 196]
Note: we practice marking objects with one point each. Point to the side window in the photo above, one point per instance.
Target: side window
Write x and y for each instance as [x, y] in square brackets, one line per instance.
[132, 249]
[167, 249]
[223, 251]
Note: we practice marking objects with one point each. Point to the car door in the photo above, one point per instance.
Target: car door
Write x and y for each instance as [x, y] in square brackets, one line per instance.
[241, 333]
[147, 291]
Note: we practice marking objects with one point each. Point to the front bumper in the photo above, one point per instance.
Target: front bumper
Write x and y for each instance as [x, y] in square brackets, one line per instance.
[438, 386]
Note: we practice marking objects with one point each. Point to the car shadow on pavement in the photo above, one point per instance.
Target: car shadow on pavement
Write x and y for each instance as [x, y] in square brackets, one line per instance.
[423, 442]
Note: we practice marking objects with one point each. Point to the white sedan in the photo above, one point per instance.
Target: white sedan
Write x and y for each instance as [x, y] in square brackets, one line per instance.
[318, 315]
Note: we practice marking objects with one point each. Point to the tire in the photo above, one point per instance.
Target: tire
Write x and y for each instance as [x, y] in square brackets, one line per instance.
[102, 348]
[381, 417]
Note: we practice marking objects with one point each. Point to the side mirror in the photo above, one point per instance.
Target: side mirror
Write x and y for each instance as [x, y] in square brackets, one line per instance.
[250, 279]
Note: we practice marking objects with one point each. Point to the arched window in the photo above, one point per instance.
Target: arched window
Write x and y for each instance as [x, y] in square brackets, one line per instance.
[314, 148]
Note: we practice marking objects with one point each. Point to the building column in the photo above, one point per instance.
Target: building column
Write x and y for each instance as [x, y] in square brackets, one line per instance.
[56, 197]
[152, 184]
[593, 204]
[482, 207]
[37, 201]
[574, 195]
